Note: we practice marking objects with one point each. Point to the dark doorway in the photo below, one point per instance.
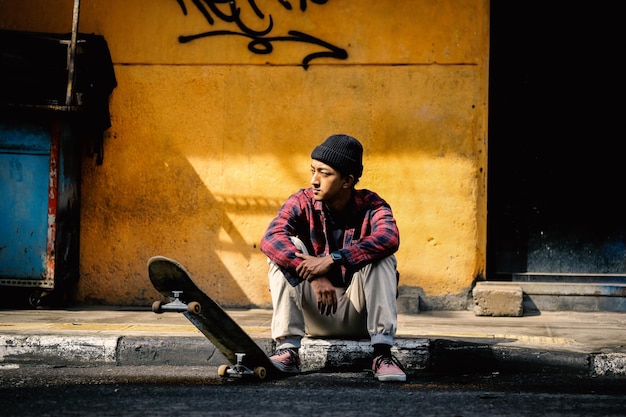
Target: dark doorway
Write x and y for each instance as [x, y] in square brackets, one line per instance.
[555, 193]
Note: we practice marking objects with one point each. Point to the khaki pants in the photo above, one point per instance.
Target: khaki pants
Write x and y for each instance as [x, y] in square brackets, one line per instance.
[366, 308]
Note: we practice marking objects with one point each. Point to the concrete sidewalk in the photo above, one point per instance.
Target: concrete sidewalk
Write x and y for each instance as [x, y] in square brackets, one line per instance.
[586, 344]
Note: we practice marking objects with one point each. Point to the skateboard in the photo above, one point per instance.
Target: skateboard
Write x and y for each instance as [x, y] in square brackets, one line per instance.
[247, 359]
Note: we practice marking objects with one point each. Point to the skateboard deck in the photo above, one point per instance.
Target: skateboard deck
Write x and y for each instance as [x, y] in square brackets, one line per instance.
[246, 358]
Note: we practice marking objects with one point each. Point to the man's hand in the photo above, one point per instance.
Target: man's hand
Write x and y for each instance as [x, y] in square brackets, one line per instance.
[313, 267]
[326, 296]
[314, 270]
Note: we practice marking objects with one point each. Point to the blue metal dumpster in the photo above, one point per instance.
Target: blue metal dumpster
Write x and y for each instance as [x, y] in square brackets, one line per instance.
[40, 205]
[45, 129]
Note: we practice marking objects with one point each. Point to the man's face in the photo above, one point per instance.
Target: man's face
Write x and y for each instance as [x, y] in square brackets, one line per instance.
[326, 182]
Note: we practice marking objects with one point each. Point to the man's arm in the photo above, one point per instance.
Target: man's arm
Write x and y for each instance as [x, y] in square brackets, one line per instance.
[380, 238]
[276, 242]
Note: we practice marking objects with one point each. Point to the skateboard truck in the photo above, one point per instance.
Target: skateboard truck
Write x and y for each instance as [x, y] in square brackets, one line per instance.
[176, 305]
[239, 369]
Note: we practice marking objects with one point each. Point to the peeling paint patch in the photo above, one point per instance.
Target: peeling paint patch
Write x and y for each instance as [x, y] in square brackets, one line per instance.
[608, 364]
[319, 354]
[55, 350]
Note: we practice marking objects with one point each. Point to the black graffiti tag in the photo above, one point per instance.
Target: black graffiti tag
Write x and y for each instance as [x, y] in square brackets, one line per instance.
[260, 41]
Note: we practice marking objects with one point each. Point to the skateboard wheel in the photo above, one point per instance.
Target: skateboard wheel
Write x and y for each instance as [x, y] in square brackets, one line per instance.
[194, 307]
[260, 372]
[156, 307]
[223, 370]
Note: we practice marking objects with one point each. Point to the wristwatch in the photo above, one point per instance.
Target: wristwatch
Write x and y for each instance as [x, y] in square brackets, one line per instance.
[336, 256]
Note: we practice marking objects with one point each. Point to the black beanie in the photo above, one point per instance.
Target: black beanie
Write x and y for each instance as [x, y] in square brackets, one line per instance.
[342, 152]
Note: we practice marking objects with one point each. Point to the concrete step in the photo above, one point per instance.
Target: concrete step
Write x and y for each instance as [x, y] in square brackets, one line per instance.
[569, 277]
[568, 296]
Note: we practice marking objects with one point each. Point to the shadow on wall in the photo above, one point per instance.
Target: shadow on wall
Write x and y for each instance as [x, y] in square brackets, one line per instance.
[171, 212]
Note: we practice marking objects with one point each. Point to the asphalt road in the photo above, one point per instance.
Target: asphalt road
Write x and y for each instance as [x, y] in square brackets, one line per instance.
[197, 391]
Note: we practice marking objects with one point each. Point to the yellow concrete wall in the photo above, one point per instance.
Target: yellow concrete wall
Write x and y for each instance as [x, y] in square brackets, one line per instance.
[208, 138]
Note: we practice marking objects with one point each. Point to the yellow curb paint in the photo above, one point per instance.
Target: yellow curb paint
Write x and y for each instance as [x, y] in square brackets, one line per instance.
[108, 327]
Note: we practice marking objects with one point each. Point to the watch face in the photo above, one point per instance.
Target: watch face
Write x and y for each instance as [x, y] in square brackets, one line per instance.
[336, 256]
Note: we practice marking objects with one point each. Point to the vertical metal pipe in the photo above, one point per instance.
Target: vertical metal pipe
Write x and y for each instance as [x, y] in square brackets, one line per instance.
[71, 55]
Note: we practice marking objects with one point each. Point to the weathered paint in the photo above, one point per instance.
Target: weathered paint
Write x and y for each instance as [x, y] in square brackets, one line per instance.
[209, 138]
[24, 175]
[53, 192]
[58, 350]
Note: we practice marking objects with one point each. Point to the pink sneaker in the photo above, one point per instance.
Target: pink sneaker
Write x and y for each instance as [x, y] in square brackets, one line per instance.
[387, 368]
[287, 360]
